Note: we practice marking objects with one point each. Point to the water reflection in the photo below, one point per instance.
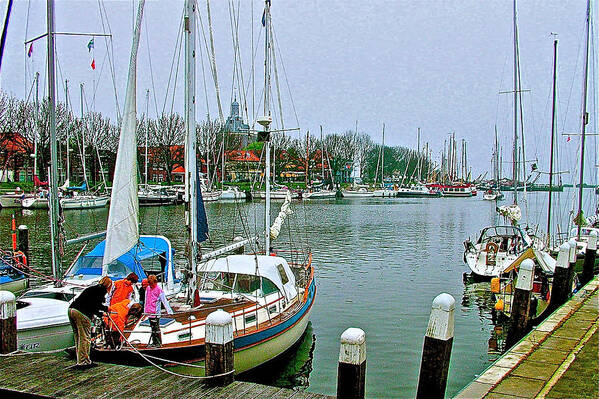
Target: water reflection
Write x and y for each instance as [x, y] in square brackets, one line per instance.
[290, 370]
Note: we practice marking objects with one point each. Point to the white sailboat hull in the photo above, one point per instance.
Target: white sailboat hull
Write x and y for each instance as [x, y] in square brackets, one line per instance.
[357, 194]
[84, 202]
[35, 203]
[10, 200]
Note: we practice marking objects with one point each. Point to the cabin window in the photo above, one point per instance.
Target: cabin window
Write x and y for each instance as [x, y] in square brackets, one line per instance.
[251, 318]
[272, 309]
[216, 281]
[246, 283]
[282, 274]
[268, 287]
[155, 264]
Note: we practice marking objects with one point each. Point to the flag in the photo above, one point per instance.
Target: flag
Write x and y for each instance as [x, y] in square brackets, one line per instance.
[264, 13]
[30, 50]
[93, 65]
[90, 45]
[568, 139]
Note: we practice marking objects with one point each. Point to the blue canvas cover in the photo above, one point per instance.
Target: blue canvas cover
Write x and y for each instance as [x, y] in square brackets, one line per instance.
[147, 247]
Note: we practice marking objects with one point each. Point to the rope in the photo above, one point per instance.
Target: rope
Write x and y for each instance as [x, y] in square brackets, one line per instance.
[147, 359]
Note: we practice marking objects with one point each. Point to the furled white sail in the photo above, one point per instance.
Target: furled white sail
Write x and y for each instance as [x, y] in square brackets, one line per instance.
[122, 232]
[285, 211]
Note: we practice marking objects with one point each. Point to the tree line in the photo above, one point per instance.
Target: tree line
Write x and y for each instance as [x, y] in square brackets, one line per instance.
[94, 137]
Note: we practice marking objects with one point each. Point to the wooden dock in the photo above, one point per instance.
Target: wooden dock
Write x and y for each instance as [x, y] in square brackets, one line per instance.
[556, 359]
[48, 376]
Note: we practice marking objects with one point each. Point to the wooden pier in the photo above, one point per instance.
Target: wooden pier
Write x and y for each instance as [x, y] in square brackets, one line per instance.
[557, 359]
[48, 376]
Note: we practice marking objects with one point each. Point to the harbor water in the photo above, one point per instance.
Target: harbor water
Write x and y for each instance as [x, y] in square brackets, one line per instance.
[379, 264]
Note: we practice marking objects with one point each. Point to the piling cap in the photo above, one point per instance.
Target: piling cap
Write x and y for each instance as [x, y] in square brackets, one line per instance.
[353, 346]
[219, 327]
[8, 305]
[441, 321]
[355, 336]
[23, 227]
[592, 244]
[219, 318]
[526, 275]
[563, 255]
[572, 243]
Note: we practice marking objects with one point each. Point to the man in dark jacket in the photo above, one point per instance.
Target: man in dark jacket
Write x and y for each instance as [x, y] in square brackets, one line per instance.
[81, 311]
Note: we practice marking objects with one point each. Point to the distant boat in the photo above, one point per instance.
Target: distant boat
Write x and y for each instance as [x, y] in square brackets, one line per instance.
[12, 277]
[12, 199]
[417, 191]
[84, 202]
[360, 192]
[454, 190]
[319, 194]
[232, 193]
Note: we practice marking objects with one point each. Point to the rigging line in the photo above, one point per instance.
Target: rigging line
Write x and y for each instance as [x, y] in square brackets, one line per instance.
[201, 25]
[233, 75]
[176, 72]
[213, 61]
[25, 52]
[110, 50]
[238, 59]
[284, 73]
[170, 75]
[150, 64]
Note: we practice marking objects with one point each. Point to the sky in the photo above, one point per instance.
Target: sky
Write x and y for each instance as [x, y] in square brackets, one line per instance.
[430, 64]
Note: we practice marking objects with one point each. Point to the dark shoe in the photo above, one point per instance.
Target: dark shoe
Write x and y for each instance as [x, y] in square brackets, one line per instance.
[86, 366]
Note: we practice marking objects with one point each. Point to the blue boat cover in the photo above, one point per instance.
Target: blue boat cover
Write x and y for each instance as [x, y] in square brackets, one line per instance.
[147, 247]
[82, 187]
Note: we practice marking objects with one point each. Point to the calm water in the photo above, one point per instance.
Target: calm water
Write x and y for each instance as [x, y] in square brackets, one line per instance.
[379, 265]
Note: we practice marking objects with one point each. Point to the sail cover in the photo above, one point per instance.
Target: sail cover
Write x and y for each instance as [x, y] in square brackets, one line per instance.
[122, 231]
[202, 221]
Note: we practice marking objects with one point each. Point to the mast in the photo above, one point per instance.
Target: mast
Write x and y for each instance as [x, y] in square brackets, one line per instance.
[265, 122]
[383, 160]
[53, 178]
[66, 100]
[322, 155]
[83, 144]
[515, 149]
[307, 158]
[190, 154]
[147, 133]
[418, 153]
[552, 140]
[37, 111]
[585, 117]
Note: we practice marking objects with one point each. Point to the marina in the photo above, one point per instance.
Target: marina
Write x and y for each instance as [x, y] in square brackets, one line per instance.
[160, 247]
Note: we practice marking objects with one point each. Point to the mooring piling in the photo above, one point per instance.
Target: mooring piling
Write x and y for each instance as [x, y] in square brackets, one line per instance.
[520, 309]
[572, 263]
[436, 352]
[560, 289]
[351, 372]
[590, 255]
[219, 348]
[23, 239]
[8, 322]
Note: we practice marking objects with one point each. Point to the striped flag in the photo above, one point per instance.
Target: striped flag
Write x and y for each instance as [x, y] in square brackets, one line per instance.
[30, 50]
[90, 45]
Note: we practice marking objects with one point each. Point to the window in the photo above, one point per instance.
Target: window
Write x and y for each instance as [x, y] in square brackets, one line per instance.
[216, 281]
[268, 287]
[282, 274]
[246, 283]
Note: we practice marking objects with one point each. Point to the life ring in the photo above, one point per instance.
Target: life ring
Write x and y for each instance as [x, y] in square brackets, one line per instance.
[492, 247]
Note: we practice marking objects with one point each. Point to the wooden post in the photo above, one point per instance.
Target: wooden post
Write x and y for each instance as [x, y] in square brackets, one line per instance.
[23, 239]
[219, 348]
[589, 259]
[351, 371]
[8, 322]
[520, 309]
[436, 353]
[560, 290]
[572, 265]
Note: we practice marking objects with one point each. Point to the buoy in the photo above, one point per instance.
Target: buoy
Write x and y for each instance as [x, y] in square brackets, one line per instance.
[495, 285]
[499, 305]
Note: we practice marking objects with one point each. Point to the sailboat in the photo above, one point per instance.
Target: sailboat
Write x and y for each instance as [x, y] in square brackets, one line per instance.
[497, 247]
[493, 193]
[320, 192]
[42, 312]
[269, 298]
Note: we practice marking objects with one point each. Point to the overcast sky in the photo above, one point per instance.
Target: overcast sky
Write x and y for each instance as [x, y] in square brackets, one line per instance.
[437, 65]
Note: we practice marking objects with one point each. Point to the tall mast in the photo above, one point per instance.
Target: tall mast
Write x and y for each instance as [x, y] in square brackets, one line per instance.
[66, 101]
[147, 133]
[83, 141]
[418, 153]
[307, 158]
[552, 140]
[37, 111]
[53, 178]
[515, 150]
[322, 154]
[585, 116]
[190, 158]
[266, 122]
[383, 159]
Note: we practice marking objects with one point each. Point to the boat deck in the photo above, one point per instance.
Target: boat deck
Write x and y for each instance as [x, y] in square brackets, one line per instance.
[557, 359]
[47, 375]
